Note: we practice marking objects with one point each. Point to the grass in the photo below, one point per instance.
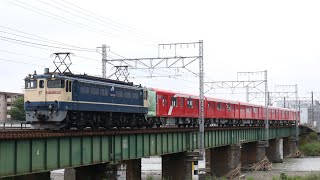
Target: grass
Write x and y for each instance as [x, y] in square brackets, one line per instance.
[284, 176]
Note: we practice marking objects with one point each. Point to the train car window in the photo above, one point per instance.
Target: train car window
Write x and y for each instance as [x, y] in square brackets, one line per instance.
[106, 92]
[228, 107]
[219, 106]
[41, 83]
[208, 105]
[135, 95]
[94, 90]
[102, 92]
[145, 95]
[174, 102]
[55, 83]
[182, 102]
[190, 103]
[127, 94]
[67, 86]
[164, 101]
[119, 94]
[84, 90]
[248, 109]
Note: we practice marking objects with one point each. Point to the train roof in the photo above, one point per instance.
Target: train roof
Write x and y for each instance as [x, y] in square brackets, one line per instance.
[78, 76]
[94, 78]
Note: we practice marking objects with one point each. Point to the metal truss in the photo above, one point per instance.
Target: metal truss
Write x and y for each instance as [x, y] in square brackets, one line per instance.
[248, 80]
[161, 62]
[61, 60]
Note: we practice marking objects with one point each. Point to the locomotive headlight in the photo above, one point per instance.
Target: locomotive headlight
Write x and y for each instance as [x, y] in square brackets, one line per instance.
[34, 112]
[53, 76]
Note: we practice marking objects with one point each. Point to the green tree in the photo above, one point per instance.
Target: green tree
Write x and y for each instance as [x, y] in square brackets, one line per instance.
[17, 110]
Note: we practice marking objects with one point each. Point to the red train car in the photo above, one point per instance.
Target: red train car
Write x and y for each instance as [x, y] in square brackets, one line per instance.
[169, 107]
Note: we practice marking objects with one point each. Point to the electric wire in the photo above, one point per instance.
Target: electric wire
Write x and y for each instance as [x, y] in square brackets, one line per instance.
[68, 21]
[38, 38]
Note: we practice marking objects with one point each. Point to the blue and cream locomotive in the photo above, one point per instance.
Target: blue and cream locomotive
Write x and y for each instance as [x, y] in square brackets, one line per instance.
[65, 100]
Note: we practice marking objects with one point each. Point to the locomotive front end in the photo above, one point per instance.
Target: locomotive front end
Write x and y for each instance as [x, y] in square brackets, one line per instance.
[45, 99]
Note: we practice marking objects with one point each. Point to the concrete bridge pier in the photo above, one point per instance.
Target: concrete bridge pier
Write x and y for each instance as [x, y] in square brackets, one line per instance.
[289, 145]
[178, 166]
[275, 150]
[252, 152]
[223, 159]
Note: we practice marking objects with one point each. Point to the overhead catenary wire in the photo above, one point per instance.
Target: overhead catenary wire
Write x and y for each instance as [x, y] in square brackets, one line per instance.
[38, 38]
[39, 44]
[69, 21]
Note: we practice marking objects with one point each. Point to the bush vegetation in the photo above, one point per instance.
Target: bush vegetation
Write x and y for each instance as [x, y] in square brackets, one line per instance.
[310, 145]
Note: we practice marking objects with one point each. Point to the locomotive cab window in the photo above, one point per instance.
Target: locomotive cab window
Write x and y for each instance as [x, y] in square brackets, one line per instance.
[41, 83]
[31, 84]
[58, 83]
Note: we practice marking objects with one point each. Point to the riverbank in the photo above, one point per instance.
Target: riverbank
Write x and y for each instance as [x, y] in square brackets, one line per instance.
[291, 167]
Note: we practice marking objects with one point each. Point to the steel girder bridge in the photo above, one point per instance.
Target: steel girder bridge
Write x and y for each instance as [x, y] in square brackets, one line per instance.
[29, 151]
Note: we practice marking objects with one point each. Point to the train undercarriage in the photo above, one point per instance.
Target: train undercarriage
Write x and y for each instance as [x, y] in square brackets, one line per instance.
[108, 120]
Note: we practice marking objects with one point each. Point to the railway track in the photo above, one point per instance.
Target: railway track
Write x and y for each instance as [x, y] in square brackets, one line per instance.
[31, 133]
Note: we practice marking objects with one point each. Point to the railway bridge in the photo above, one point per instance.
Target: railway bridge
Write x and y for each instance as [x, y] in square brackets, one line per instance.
[88, 154]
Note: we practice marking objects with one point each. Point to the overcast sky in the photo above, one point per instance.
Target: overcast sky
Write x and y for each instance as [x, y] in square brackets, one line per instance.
[279, 36]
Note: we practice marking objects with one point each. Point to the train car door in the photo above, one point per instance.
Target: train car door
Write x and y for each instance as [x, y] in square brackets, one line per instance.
[163, 104]
[42, 90]
[181, 106]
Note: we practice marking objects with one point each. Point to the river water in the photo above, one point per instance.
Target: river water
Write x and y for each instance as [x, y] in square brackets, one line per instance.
[151, 167]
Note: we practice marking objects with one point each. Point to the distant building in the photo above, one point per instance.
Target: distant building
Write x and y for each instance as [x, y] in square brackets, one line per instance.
[6, 99]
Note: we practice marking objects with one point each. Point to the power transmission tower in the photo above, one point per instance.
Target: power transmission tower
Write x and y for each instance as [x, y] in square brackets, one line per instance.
[175, 61]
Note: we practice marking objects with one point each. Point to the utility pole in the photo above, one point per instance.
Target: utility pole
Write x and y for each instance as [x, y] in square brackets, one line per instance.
[312, 110]
[104, 59]
[297, 113]
[284, 102]
[266, 103]
[201, 104]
